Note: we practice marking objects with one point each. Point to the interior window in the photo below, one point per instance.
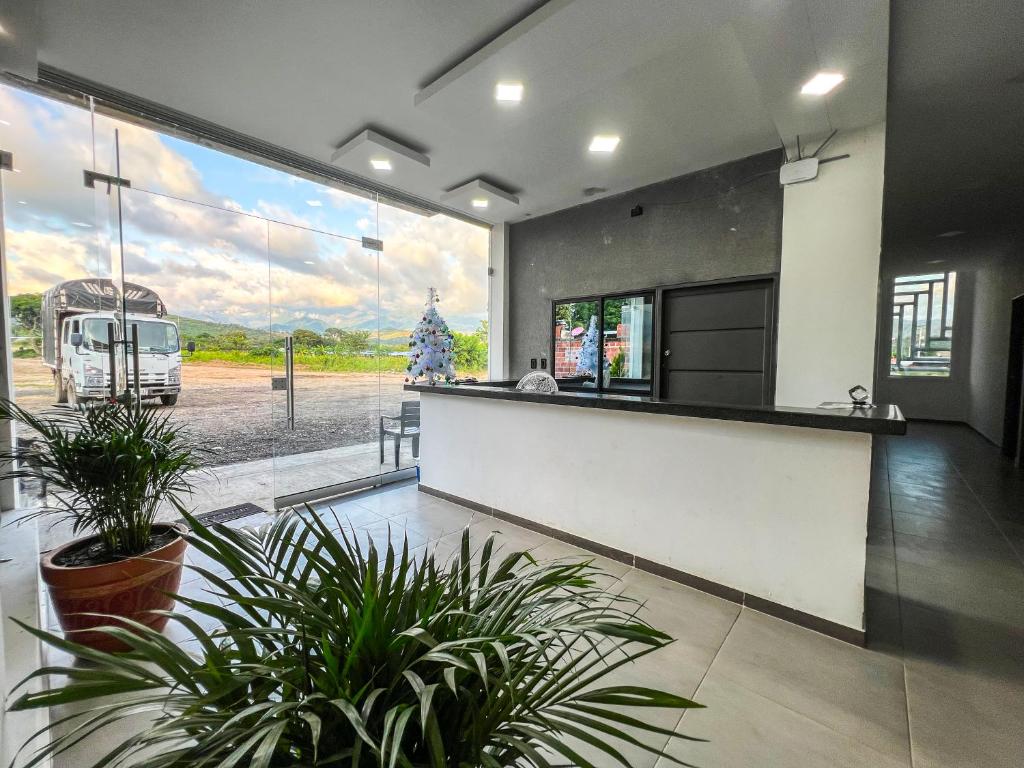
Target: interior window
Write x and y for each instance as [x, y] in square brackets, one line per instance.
[604, 343]
[922, 325]
[627, 333]
[576, 342]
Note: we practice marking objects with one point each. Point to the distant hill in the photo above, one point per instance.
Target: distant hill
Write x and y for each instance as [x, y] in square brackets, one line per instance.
[192, 328]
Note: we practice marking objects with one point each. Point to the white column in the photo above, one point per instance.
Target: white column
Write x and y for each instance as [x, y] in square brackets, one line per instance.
[828, 293]
[497, 300]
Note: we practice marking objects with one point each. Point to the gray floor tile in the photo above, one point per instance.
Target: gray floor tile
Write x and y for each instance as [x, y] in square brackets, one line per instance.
[848, 689]
[746, 730]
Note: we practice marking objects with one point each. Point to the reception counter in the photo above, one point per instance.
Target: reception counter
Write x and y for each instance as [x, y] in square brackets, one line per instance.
[763, 506]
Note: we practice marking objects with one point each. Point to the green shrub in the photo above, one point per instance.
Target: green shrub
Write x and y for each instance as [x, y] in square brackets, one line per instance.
[332, 654]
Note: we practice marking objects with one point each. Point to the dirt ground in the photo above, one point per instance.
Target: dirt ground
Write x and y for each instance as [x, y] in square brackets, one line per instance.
[231, 409]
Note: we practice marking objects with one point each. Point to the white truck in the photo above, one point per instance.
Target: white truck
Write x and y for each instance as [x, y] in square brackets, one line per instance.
[76, 315]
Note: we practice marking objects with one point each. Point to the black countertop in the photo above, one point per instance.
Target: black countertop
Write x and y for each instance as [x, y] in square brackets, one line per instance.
[878, 420]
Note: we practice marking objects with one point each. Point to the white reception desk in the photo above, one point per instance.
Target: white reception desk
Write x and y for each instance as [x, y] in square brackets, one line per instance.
[763, 506]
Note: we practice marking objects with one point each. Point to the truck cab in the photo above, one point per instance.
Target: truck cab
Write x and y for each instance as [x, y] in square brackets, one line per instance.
[83, 370]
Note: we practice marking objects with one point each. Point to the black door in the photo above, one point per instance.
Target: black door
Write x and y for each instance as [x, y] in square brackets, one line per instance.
[717, 343]
[1013, 437]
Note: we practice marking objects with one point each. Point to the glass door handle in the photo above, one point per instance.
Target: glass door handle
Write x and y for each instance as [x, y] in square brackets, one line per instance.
[289, 374]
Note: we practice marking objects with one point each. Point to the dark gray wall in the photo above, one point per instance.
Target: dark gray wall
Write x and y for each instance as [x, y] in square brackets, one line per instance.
[721, 222]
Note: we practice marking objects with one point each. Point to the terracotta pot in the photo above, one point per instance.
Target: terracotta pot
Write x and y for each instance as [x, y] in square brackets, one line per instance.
[129, 588]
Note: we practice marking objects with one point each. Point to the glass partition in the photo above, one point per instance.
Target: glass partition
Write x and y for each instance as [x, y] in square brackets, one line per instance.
[604, 342]
[576, 342]
[627, 335]
[273, 313]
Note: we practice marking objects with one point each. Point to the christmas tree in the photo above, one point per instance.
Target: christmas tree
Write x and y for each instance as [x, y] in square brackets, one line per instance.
[586, 360]
[430, 346]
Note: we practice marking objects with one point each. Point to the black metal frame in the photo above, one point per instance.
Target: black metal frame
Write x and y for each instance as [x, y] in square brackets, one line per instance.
[898, 318]
[771, 321]
[600, 300]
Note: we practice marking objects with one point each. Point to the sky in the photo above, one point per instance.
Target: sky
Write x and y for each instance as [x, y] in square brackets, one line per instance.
[218, 237]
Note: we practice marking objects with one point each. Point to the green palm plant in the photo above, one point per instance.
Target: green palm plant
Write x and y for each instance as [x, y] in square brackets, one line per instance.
[111, 467]
[332, 653]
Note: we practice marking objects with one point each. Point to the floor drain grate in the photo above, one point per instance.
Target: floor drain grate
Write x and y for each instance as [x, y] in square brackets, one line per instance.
[230, 513]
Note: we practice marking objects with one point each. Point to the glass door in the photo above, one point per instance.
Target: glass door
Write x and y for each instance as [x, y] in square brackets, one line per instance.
[196, 285]
[324, 292]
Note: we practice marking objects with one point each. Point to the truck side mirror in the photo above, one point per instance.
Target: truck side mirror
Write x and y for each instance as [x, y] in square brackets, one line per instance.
[76, 340]
[191, 347]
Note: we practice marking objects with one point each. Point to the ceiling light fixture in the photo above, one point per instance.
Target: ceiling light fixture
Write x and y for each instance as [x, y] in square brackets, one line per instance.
[311, 263]
[82, 224]
[480, 202]
[381, 164]
[4, 122]
[822, 83]
[511, 92]
[604, 143]
[22, 202]
[314, 203]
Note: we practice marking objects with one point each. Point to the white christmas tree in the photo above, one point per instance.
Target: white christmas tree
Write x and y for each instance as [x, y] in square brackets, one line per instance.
[430, 346]
[586, 360]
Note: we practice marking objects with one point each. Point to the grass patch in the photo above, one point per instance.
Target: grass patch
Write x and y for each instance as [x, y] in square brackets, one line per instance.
[311, 361]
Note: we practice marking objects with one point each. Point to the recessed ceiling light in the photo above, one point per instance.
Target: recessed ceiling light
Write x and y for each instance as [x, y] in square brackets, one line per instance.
[309, 262]
[381, 164]
[604, 143]
[508, 92]
[953, 233]
[82, 224]
[822, 83]
[480, 202]
[314, 203]
[22, 202]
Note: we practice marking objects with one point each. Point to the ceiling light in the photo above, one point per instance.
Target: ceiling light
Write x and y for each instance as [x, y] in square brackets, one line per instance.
[381, 164]
[314, 203]
[480, 202]
[311, 263]
[82, 224]
[604, 143]
[22, 202]
[508, 92]
[822, 83]
[4, 122]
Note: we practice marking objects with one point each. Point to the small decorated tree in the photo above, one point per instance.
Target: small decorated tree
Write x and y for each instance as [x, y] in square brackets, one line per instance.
[430, 346]
[586, 360]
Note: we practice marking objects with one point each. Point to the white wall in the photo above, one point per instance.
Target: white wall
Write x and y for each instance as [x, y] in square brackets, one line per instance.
[778, 512]
[497, 302]
[996, 283]
[831, 240]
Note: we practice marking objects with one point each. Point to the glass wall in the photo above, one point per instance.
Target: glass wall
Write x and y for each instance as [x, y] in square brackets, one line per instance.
[290, 303]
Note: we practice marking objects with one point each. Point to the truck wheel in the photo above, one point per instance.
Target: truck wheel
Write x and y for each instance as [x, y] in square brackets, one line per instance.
[59, 394]
[72, 398]
[169, 399]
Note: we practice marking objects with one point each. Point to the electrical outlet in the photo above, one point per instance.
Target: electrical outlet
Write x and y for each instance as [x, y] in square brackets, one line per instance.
[533, 362]
[544, 362]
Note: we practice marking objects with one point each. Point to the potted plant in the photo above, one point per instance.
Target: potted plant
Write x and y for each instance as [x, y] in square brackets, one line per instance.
[330, 653]
[108, 469]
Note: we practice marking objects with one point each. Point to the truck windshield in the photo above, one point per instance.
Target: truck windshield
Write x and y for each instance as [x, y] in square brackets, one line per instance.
[157, 337]
[94, 335]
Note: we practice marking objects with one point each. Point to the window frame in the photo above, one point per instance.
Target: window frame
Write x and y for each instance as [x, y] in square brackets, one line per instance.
[947, 374]
[645, 293]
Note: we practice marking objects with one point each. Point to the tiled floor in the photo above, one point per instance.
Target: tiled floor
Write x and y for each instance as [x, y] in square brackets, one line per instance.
[942, 682]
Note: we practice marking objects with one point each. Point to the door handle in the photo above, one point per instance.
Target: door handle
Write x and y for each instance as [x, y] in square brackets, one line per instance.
[289, 375]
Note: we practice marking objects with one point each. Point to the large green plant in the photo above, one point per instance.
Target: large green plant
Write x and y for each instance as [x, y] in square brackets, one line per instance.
[332, 654]
[111, 468]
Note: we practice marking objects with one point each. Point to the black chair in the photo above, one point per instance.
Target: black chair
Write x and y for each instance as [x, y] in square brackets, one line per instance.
[408, 425]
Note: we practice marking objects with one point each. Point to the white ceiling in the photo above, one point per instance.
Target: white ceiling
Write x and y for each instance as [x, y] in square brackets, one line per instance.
[686, 84]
